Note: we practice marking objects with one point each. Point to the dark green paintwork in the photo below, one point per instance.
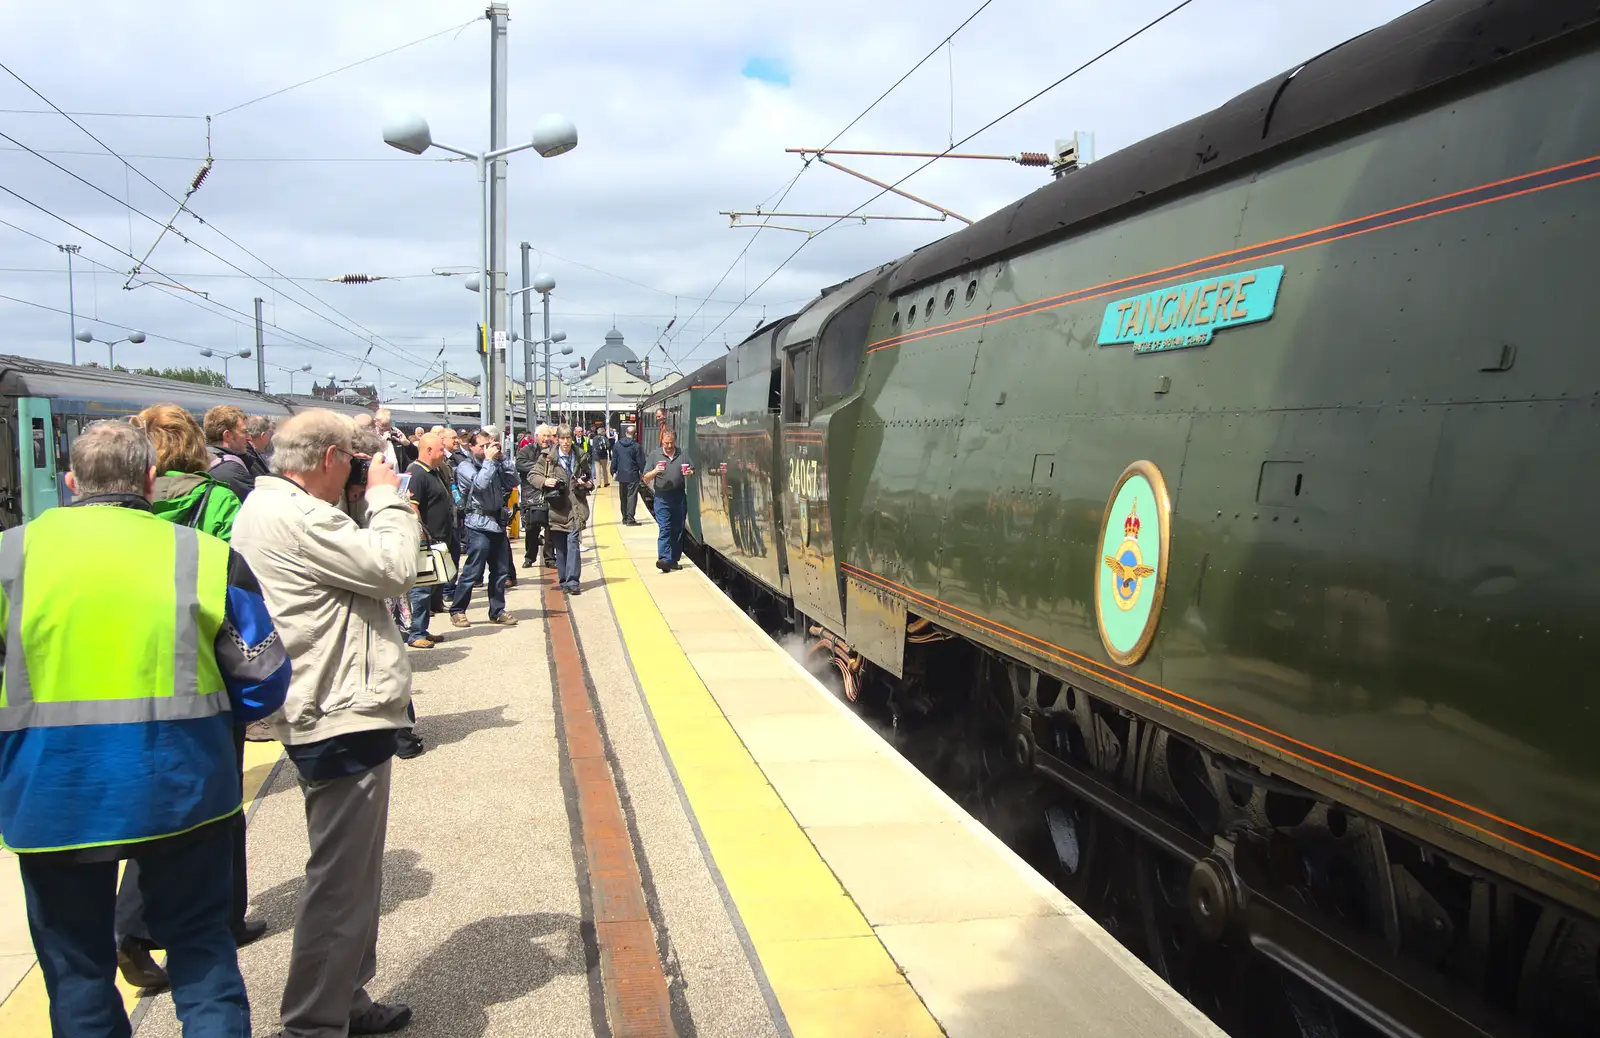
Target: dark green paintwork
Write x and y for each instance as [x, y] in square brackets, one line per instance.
[1379, 548]
[1426, 604]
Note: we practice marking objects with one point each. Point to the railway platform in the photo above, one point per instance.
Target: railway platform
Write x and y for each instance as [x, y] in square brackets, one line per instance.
[638, 815]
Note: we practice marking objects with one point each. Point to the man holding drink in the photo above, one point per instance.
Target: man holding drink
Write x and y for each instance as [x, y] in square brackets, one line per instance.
[668, 473]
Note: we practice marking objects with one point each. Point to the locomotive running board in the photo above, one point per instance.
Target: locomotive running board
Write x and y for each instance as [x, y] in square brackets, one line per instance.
[1353, 969]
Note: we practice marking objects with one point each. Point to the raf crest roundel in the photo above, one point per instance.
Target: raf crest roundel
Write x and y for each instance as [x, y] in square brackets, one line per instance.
[1131, 564]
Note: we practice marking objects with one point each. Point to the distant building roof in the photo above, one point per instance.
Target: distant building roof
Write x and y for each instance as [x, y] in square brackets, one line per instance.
[615, 351]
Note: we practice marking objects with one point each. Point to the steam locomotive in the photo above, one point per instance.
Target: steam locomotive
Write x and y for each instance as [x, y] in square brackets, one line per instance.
[1243, 476]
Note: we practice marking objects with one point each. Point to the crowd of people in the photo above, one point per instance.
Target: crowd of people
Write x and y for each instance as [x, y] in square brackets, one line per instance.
[265, 587]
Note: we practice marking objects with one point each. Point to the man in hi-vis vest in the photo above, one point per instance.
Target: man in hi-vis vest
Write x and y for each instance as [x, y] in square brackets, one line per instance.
[131, 648]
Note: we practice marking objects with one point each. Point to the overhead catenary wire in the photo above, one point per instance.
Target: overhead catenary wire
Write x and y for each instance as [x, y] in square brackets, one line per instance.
[1146, 27]
[345, 68]
[365, 334]
[109, 324]
[806, 164]
[248, 321]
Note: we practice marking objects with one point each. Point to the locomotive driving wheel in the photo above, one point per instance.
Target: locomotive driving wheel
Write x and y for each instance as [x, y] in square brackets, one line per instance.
[1242, 991]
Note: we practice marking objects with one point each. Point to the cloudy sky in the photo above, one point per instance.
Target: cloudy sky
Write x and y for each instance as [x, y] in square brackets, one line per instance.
[684, 108]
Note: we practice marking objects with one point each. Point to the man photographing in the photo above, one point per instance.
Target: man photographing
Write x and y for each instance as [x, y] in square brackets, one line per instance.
[326, 578]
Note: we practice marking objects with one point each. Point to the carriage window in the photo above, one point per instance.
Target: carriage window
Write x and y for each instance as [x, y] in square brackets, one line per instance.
[775, 392]
[841, 346]
[797, 384]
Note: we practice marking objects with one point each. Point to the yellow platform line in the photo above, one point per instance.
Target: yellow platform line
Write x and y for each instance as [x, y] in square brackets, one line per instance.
[830, 973]
[26, 1012]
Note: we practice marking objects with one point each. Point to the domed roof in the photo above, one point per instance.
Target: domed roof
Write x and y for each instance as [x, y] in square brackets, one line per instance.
[615, 351]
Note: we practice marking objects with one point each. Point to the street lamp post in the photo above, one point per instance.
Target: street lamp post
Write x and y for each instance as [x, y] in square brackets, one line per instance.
[292, 373]
[226, 355]
[552, 135]
[85, 336]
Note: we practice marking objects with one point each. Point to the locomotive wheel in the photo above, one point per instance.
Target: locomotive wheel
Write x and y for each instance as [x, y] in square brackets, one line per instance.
[1227, 980]
[1560, 985]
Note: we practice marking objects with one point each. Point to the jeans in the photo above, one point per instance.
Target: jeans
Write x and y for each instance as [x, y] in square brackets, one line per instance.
[188, 892]
[421, 605]
[484, 548]
[130, 911]
[447, 591]
[569, 560]
[630, 500]
[670, 511]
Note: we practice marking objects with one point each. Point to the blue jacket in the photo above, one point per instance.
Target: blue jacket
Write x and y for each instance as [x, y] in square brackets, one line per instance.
[628, 462]
[485, 486]
[94, 789]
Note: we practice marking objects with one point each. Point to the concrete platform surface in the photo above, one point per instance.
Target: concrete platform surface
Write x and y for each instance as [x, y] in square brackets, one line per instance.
[875, 904]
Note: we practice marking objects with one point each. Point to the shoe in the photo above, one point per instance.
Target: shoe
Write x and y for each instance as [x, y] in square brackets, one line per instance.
[139, 967]
[511, 582]
[573, 589]
[527, 563]
[504, 620]
[662, 565]
[422, 643]
[408, 744]
[249, 932]
[258, 731]
[459, 620]
[436, 610]
[380, 1019]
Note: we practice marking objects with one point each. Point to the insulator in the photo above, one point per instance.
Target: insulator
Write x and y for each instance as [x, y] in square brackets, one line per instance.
[1033, 158]
[200, 178]
[355, 279]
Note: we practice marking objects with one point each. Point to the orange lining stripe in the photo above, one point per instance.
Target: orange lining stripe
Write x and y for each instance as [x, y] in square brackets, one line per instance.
[1106, 673]
[1039, 305]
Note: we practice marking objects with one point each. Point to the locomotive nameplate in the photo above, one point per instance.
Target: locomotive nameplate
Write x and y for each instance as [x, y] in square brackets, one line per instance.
[1189, 314]
[1131, 577]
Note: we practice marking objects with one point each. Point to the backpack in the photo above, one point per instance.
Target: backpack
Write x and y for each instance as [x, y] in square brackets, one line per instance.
[220, 458]
[197, 511]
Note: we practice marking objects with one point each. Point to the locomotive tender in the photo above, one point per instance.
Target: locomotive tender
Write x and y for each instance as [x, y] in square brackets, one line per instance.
[1247, 469]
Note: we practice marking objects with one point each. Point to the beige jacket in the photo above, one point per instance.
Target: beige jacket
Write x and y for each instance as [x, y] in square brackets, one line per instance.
[325, 579]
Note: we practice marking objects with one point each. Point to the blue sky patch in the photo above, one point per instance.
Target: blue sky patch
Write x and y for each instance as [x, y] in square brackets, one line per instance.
[767, 70]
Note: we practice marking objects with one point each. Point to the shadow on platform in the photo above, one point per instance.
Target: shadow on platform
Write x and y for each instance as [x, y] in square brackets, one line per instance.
[487, 962]
[437, 730]
[402, 881]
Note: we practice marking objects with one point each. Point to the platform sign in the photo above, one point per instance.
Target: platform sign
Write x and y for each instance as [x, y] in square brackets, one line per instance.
[1181, 316]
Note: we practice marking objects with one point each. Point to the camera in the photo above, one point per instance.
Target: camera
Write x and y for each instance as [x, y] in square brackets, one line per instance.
[358, 472]
[555, 495]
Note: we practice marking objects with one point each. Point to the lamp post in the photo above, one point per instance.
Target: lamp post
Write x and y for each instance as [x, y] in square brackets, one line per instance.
[292, 372]
[530, 362]
[85, 336]
[552, 135]
[226, 356]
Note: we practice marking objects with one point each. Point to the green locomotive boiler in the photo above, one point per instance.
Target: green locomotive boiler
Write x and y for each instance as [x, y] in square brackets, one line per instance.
[1245, 473]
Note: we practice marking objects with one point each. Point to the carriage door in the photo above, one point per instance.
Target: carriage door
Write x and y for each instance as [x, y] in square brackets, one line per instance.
[36, 457]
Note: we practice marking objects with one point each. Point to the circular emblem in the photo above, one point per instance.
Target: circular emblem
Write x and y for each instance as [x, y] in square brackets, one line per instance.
[1131, 577]
[805, 523]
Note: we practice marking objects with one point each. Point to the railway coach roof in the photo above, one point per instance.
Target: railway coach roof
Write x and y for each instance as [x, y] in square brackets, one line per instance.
[26, 376]
[1424, 48]
[713, 374]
